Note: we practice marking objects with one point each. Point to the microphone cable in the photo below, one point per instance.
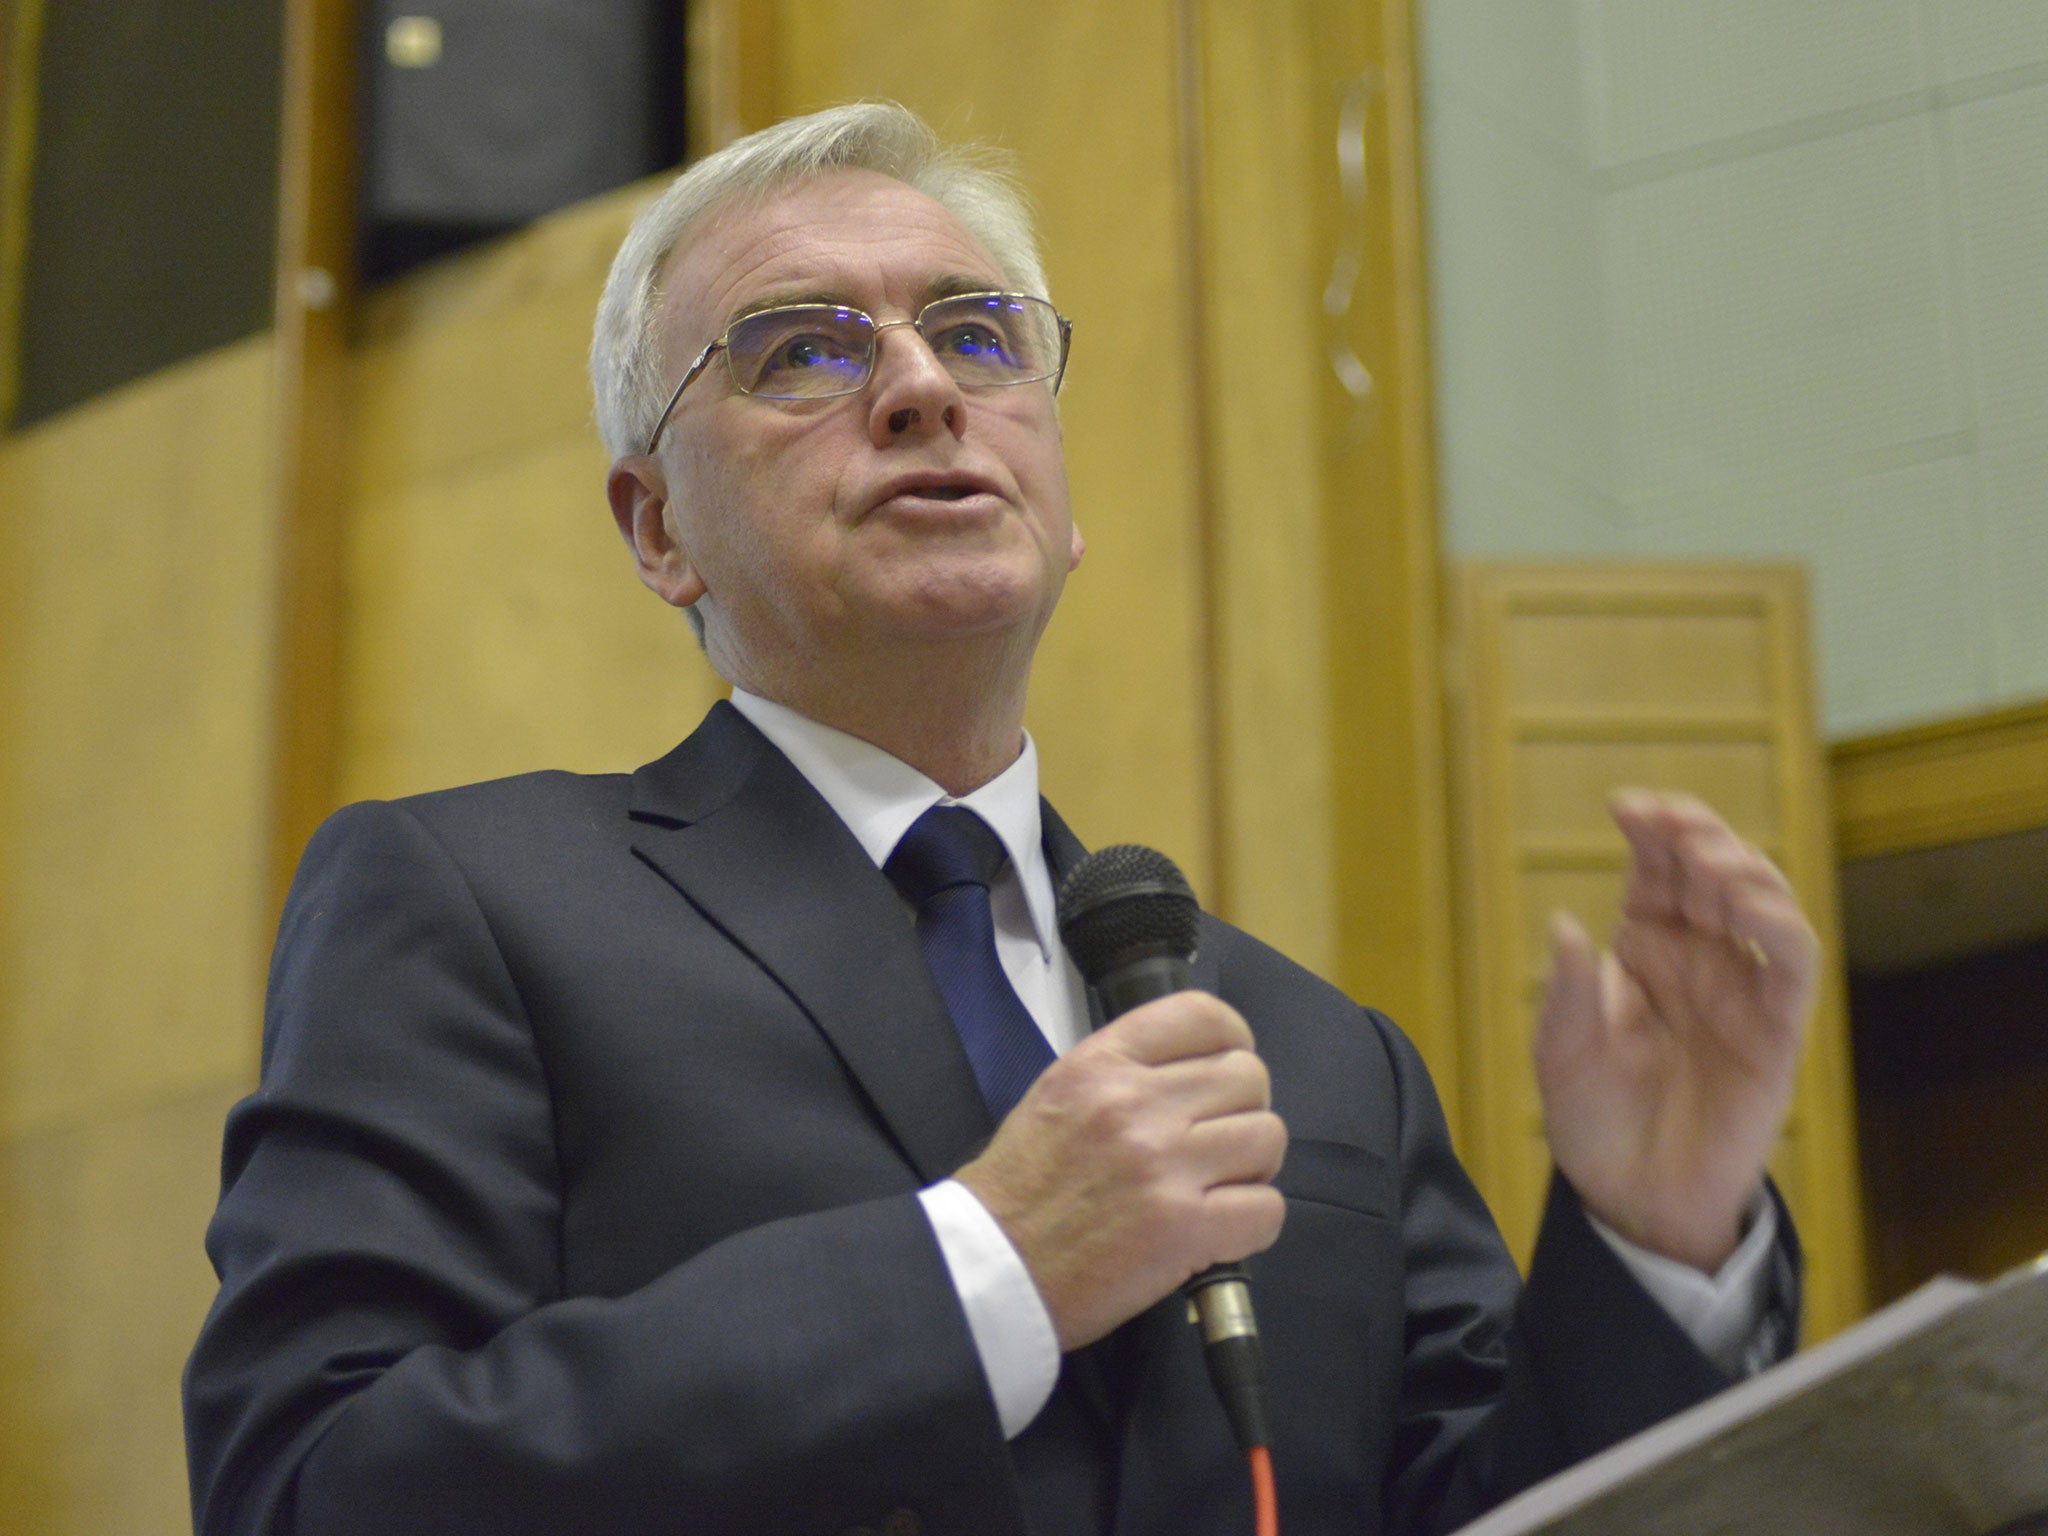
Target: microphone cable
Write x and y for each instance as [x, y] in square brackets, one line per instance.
[1265, 1503]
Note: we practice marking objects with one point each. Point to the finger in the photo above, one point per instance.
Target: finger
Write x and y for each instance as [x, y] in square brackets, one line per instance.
[1687, 860]
[1206, 1087]
[1778, 943]
[1689, 813]
[1237, 1149]
[1697, 827]
[1719, 871]
[1175, 1028]
[1742, 862]
[1704, 855]
[1571, 1018]
[1655, 884]
[1241, 1220]
[1707, 866]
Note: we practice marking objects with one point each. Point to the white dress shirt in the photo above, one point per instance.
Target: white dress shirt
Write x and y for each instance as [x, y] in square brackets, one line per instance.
[878, 797]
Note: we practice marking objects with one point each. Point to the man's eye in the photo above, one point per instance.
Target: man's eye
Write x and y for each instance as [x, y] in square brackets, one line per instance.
[975, 341]
[798, 354]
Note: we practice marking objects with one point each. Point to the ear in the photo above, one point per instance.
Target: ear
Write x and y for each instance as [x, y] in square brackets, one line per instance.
[638, 491]
[1080, 548]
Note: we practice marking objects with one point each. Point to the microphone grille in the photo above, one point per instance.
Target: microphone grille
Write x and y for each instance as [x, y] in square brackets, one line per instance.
[1125, 902]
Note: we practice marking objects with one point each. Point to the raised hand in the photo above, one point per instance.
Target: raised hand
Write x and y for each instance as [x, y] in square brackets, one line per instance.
[1666, 1064]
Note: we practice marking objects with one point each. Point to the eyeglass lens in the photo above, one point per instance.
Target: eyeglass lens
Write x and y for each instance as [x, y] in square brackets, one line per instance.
[809, 351]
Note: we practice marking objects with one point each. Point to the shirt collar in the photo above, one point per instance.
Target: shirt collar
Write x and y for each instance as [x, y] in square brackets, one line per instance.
[879, 796]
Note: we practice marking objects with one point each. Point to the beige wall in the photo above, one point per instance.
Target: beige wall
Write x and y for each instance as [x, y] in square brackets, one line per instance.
[1759, 281]
[134, 655]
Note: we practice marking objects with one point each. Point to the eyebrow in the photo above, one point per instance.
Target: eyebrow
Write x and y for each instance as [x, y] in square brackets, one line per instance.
[948, 285]
[951, 285]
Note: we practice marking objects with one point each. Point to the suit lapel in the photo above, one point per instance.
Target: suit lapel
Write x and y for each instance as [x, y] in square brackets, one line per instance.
[744, 838]
[1063, 850]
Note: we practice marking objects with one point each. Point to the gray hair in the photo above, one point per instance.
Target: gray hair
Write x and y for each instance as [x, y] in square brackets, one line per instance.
[973, 183]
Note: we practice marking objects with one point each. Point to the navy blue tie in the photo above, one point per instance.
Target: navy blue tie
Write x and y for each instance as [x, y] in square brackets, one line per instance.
[944, 865]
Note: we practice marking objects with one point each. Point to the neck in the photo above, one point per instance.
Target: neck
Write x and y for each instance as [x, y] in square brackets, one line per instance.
[956, 718]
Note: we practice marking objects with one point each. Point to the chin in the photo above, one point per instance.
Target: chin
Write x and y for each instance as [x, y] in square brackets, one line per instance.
[982, 602]
[946, 621]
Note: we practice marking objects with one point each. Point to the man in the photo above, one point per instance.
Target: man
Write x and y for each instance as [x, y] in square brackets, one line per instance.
[630, 1158]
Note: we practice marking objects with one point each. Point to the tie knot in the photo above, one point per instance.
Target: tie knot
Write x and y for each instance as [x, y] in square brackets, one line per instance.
[947, 846]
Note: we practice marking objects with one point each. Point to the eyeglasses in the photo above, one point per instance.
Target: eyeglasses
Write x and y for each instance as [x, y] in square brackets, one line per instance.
[819, 351]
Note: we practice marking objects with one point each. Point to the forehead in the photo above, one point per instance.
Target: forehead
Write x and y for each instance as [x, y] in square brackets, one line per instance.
[854, 236]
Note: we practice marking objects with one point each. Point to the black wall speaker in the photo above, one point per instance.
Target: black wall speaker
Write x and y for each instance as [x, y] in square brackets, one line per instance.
[480, 115]
[151, 228]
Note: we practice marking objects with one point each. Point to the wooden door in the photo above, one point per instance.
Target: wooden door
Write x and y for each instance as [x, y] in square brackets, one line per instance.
[1569, 682]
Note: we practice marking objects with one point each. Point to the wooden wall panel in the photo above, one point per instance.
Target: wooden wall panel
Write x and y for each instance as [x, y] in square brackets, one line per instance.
[1262, 117]
[495, 623]
[1380, 550]
[1982, 776]
[137, 545]
[1636, 663]
[103, 1284]
[315, 307]
[1561, 787]
[473, 360]
[1323, 561]
[1569, 683]
[137, 562]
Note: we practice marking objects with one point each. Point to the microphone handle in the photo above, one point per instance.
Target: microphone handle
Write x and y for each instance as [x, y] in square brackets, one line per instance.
[1219, 1298]
[1142, 980]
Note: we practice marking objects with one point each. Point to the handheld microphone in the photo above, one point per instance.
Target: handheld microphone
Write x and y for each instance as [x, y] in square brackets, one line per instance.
[1130, 920]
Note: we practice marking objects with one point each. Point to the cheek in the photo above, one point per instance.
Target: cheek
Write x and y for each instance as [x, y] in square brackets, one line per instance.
[1049, 489]
[790, 473]
[759, 514]
[724, 475]
[1039, 456]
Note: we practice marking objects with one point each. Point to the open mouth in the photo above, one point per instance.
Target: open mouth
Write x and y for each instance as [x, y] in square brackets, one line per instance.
[917, 488]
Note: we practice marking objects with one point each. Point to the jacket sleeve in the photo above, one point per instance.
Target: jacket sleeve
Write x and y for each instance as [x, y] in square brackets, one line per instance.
[1504, 1385]
[392, 1350]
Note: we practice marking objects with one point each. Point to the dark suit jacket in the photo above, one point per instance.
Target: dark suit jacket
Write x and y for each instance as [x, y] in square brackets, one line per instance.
[580, 1196]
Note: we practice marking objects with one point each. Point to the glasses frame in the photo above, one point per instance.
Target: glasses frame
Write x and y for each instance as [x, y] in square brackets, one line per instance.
[1058, 375]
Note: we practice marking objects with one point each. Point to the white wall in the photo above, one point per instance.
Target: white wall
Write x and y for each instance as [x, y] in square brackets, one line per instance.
[1759, 278]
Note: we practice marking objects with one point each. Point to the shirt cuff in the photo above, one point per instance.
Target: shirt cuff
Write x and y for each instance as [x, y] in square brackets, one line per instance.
[1013, 1333]
[1724, 1312]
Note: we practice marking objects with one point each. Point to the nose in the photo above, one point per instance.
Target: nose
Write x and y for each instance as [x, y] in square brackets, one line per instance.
[911, 393]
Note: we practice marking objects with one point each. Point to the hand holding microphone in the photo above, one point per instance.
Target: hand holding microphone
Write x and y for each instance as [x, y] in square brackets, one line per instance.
[1144, 1156]
[1130, 921]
